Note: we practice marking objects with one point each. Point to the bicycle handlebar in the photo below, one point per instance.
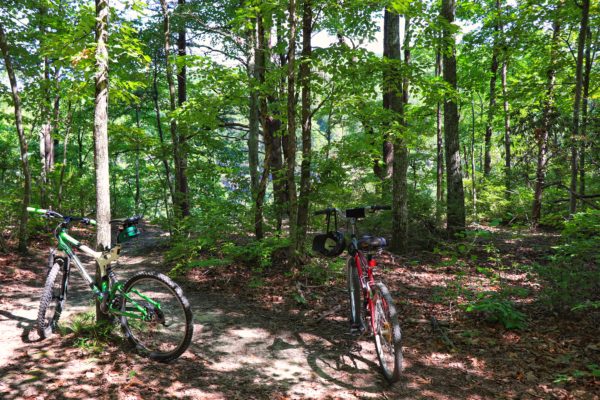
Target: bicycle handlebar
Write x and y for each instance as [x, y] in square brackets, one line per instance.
[351, 212]
[326, 211]
[54, 214]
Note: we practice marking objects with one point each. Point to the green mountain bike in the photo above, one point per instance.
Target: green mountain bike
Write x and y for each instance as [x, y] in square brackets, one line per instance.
[152, 310]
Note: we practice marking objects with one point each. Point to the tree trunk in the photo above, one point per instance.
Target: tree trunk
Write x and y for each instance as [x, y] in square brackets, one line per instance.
[290, 140]
[584, 111]
[22, 140]
[303, 200]
[391, 89]
[253, 108]
[63, 167]
[473, 176]
[278, 171]
[179, 196]
[137, 162]
[161, 137]
[45, 137]
[542, 132]
[487, 166]
[577, 103]
[505, 105]
[439, 193]
[455, 199]
[266, 124]
[507, 149]
[182, 180]
[101, 157]
[400, 149]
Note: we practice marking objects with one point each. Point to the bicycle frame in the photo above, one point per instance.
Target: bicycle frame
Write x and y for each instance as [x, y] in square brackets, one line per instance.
[367, 281]
[106, 292]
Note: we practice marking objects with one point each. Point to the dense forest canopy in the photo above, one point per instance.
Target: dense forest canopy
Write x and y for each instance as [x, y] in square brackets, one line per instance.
[473, 125]
[234, 117]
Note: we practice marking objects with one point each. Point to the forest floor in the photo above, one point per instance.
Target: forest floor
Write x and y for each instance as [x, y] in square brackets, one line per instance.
[288, 339]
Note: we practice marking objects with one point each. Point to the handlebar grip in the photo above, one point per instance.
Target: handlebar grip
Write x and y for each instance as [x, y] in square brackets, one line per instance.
[37, 210]
[93, 222]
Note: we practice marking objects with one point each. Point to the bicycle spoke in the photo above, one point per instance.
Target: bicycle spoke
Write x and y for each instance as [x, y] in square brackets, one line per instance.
[163, 329]
[387, 333]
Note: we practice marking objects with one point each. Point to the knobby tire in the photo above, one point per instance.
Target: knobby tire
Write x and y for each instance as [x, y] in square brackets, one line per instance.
[354, 295]
[387, 333]
[52, 302]
[151, 337]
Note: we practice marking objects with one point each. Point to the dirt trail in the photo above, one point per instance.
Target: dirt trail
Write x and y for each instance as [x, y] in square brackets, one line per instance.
[239, 350]
[245, 348]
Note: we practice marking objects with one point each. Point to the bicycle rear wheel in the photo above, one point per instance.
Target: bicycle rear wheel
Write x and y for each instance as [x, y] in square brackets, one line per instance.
[387, 333]
[355, 296]
[166, 329]
[52, 301]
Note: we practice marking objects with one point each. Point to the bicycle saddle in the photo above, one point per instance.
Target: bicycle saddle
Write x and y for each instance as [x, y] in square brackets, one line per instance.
[371, 242]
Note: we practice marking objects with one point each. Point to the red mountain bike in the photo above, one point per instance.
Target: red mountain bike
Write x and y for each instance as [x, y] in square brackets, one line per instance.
[372, 309]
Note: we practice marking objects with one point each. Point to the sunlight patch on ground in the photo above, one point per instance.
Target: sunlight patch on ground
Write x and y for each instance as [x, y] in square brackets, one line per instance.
[249, 333]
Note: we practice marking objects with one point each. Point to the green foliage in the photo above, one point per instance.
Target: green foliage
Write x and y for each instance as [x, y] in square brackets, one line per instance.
[573, 273]
[492, 202]
[591, 371]
[257, 254]
[321, 270]
[496, 308]
[553, 220]
[188, 254]
[88, 334]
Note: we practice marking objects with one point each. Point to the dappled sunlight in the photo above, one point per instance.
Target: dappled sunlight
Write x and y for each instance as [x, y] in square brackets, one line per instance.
[244, 348]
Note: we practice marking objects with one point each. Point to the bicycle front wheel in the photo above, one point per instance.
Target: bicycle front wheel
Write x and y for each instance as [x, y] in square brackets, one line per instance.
[52, 301]
[157, 317]
[387, 333]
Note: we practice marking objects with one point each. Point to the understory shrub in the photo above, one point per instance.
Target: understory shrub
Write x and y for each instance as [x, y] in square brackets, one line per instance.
[573, 274]
[496, 308]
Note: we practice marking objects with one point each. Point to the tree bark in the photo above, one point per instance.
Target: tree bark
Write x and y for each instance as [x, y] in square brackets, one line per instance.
[253, 107]
[473, 176]
[179, 196]
[161, 137]
[22, 140]
[63, 167]
[266, 124]
[290, 140]
[505, 104]
[278, 171]
[584, 111]
[585, 11]
[101, 157]
[137, 162]
[182, 180]
[45, 137]
[391, 91]
[507, 144]
[439, 193]
[305, 82]
[455, 199]
[542, 131]
[487, 167]
[400, 161]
